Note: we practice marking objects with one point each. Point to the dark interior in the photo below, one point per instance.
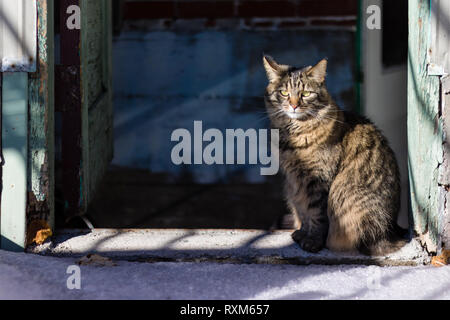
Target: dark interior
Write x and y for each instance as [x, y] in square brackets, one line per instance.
[135, 194]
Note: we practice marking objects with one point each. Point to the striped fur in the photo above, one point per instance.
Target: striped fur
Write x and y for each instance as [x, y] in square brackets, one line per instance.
[341, 177]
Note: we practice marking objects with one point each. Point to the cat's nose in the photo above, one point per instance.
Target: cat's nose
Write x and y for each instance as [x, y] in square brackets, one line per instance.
[294, 102]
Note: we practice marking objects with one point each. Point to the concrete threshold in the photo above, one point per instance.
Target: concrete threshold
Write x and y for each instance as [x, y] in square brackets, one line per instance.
[224, 246]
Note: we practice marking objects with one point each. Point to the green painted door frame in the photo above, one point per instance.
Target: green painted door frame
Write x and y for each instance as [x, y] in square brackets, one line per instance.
[84, 99]
[15, 154]
[28, 134]
[28, 141]
[28, 127]
[428, 120]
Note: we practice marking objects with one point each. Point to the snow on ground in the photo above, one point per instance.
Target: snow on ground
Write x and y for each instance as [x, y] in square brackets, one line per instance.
[24, 276]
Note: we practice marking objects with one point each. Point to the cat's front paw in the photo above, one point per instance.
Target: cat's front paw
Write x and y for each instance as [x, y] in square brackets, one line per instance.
[308, 242]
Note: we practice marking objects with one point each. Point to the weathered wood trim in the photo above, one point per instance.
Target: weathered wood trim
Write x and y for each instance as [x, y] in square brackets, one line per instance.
[84, 55]
[97, 113]
[425, 136]
[69, 100]
[84, 96]
[70, 39]
[105, 113]
[41, 127]
[439, 64]
[444, 170]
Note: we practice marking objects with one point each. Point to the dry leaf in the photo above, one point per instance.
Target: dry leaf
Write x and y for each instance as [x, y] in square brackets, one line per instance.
[441, 260]
[38, 232]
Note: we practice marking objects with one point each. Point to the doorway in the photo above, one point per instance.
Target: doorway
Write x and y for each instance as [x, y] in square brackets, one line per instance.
[174, 66]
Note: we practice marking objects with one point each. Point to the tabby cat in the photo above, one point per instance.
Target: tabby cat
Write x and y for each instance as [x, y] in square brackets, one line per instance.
[341, 177]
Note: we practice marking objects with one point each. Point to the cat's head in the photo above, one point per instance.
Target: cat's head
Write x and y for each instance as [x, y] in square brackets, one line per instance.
[298, 93]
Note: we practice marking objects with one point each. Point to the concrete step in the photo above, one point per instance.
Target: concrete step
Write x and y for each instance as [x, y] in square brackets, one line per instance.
[226, 246]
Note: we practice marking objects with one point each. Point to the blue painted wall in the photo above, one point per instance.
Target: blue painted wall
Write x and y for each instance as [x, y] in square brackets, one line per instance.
[164, 80]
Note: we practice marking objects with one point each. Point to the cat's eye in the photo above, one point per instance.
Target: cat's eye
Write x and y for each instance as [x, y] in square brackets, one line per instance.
[306, 93]
[284, 93]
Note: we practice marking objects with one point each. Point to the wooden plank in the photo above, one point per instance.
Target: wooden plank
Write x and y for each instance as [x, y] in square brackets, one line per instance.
[69, 100]
[97, 113]
[444, 170]
[15, 147]
[439, 63]
[70, 38]
[84, 96]
[425, 137]
[41, 122]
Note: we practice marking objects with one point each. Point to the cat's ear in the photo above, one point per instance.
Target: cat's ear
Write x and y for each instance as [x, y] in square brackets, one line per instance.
[273, 70]
[319, 71]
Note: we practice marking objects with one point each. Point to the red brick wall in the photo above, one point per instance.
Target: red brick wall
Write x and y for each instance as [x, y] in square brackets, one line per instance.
[305, 12]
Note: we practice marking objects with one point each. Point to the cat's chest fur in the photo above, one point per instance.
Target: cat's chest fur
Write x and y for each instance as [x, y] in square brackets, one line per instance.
[313, 154]
[314, 161]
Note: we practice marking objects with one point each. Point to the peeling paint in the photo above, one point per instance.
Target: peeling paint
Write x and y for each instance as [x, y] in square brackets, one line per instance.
[36, 209]
[41, 124]
[425, 130]
[17, 65]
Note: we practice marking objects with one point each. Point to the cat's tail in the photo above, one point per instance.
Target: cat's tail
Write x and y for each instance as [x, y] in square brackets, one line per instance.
[392, 243]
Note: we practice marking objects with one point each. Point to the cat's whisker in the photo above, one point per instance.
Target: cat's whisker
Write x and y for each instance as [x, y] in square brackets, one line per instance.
[258, 121]
[331, 118]
[276, 113]
[324, 116]
[267, 116]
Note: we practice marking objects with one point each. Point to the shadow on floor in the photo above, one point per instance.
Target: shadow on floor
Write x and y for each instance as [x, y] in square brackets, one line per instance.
[134, 198]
